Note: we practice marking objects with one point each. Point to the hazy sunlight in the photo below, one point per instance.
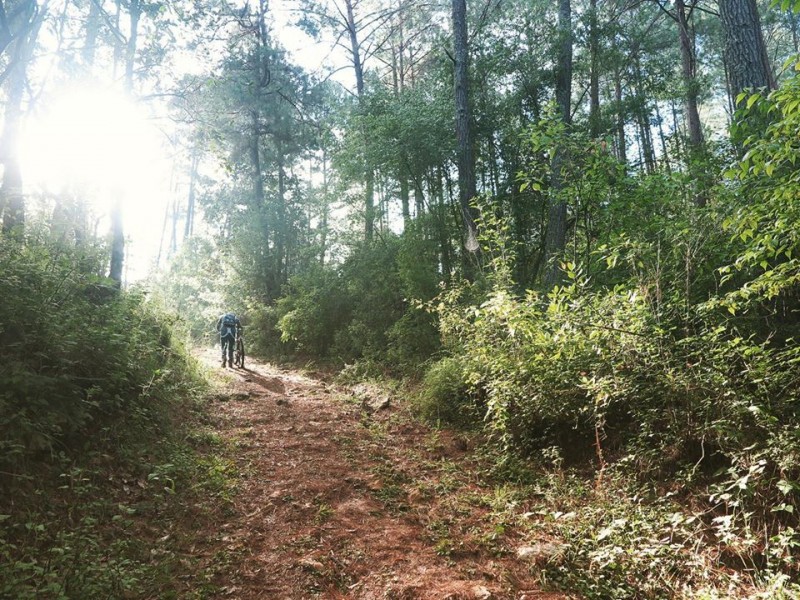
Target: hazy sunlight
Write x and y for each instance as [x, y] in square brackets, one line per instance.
[97, 144]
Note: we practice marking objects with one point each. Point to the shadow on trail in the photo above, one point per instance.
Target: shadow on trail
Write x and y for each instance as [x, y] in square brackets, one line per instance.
[273, 384]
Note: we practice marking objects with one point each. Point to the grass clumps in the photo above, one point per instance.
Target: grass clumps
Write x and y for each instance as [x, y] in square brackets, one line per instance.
[444, 397]
[101, 421]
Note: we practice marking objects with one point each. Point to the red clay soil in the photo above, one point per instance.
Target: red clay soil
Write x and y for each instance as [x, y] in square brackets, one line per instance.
[337, 499]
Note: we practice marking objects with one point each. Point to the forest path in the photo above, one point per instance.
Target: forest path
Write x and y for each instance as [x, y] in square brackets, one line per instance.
[341, 499]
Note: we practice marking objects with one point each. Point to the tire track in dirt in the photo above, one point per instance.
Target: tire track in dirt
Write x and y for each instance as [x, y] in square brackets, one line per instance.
[322, 508]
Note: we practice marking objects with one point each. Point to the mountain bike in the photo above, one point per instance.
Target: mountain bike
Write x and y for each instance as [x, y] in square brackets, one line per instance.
[238, 350]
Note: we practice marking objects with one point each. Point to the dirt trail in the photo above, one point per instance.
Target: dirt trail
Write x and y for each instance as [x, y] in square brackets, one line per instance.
[339, 500]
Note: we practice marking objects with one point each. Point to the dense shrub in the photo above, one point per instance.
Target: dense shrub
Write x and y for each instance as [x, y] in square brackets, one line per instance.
[192, 287]
[96, 392]
[77, 355]
[314, 308]
[445, 397]
[670, 348]
[363, 309]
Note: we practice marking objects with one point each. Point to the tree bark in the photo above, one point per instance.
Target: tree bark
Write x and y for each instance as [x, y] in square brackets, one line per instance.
[92, 30]
[622, 153]
[188, 226]
[556, 238]
[358, 67]
[25, 27]
[117, 227]
[745, 51]
[594, 71]
[464, 135]
[255, 163]
[11, 189]
[281, 225]
[689, 73]
[325, 210]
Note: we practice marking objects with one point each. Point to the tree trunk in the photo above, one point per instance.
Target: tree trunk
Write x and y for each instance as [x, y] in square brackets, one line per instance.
[325, 210]
[645, 137]
[466, 157]
[442, 229]
[281, 225]
[135, 10]
[419, 197]
[745, 51]
[117, 242]
[556, 238]
[90, 38]
[358, 67]
[188, 226]
[620, 125]
[255, 163]
[594, 71]
[405, 201]
[176, 215]
[12, 201]
[689, 71]
[117, 227]
[11, 189]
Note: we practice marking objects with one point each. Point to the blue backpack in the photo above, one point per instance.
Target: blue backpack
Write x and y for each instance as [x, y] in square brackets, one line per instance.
[228, 327]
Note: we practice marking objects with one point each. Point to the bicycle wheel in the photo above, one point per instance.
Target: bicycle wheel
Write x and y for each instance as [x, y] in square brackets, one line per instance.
[239, 353]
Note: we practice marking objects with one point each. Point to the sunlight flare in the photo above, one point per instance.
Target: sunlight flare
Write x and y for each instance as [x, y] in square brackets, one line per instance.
[98, 145]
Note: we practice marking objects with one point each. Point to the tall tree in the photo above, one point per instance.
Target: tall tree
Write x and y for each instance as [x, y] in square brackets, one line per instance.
[117, 225]
[361, 24]
[19, 24]
[746, 57]
[466, 157]
[689, 73]
[594, 70]
[556, 238]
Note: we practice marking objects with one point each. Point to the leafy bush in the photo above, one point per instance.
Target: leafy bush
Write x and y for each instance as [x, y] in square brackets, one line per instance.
[622, 540]
[361, 309]
[445, 396]
[314, 308]
[77, 355]
[94, 385]
[190, 288]
[672, 345]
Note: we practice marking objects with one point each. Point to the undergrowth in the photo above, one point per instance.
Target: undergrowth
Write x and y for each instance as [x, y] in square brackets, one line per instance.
[106, 467]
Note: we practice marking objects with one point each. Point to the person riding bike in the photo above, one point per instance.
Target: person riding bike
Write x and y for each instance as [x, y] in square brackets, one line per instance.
[228, 326]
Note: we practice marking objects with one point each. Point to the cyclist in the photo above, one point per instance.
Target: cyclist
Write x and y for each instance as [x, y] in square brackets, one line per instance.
[228, 326]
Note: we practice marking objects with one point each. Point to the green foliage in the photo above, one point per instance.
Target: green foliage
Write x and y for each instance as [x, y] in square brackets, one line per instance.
[190, 288]
[313, 308]
[622, 540]
[362, 309]
[445, 396]
[766, 217]
[793, 5]
[645, 356]
[77, 355]
[94, 384]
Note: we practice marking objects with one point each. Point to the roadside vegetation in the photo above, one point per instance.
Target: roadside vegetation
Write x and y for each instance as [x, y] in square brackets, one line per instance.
[569, 231]
[105, 452]
[648, 402]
